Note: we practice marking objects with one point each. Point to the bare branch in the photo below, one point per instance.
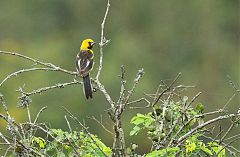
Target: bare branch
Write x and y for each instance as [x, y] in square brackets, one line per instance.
[139, 100]
[41, 110]
[193, 99]
[226, 133]
[235, 87]
[166, 89]
[181, 139]
[229, 100]
[49, 65]
[105, 93]
[69, 126]
[209, 113]
[44, 89]
[234, 136]
[4, 138]
[103, 41]
[25, 70]
[228, 147]
[100, 123]
[136, 81]
[123, 88]
[85, 129]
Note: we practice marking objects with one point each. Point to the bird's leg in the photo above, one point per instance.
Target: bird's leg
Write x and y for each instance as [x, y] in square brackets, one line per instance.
[94, 85]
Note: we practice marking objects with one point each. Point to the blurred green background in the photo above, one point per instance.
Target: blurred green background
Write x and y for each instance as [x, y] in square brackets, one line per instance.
[198, 38]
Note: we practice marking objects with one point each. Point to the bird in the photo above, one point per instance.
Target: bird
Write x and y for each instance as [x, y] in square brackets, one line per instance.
[84, 65]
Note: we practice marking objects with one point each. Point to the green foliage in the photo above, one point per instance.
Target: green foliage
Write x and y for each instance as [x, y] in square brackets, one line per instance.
[63, 143]
[217, 149]
[194, 147]
[179, 118]
[39, 141]
[68, 144]
[164, 32]
[170, 152]
[175, 113]
[141, 122]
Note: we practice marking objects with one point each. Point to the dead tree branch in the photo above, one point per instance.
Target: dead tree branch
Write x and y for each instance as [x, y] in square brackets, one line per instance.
[103, 41]
[49, 65]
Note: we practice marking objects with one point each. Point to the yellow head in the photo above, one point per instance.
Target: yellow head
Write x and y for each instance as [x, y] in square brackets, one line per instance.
[87, 44]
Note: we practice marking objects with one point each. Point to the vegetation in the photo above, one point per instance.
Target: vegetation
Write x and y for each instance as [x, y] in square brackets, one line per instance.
[171, 118]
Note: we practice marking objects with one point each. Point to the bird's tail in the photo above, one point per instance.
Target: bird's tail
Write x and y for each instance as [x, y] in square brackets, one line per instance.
[87, 86]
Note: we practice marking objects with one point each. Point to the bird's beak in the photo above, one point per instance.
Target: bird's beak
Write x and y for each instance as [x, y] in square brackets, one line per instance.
[93, 43]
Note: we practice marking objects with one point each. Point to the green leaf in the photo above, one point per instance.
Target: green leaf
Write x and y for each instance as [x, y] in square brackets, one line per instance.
[155, 153]
[107, 151]
[222, 153]
[60, 154]
[40, 141]
[190, 146]
[148, 122]
[199, 108]
[205, 149]
[135, 130]
[141, 115]
[137, 121]
[217, 148]
[171, 152]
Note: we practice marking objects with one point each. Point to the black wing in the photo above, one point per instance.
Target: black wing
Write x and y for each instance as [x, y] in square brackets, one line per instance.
[84, 62]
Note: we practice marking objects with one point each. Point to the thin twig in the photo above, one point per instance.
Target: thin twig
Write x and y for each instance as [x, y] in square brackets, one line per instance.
[103, 41]
[23, 71]
[209, 113]
[29, 114]
[85, 129]
[227, 144]
[193, 99]
[105, 93]
[43, 89]
[44, 130]
[139, 100]
[234, 136]
[69, 126]
[226, 133]
[166, 89]
[41, 110]
[49, 65]
[4, 138]
[235, 87]
[182, 138]
[162, 122]
[136, 81]
[100, 123]
[229, 100]
[181, 87]
[123, 88]
[229, 147]
[13, 126]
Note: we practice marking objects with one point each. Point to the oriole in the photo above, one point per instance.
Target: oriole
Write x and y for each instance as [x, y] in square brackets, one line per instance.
[84, 64]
